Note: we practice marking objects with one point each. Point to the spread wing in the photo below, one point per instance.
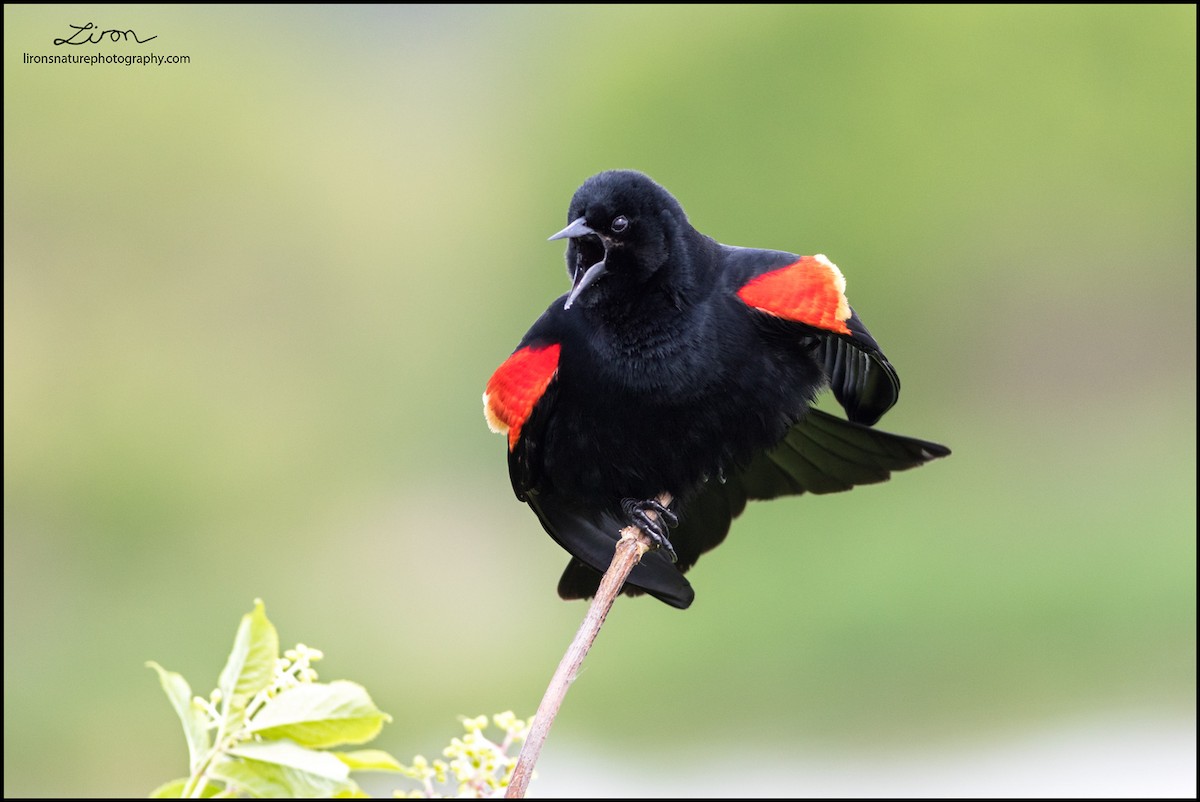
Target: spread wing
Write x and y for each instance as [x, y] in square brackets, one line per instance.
[810, 294]
[862, 379]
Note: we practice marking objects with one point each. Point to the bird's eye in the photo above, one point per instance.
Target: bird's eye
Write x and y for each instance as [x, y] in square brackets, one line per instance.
[619, 224]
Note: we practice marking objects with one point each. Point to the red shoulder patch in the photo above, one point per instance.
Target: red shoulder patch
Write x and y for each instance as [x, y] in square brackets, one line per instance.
[811, 290]
[516, 387]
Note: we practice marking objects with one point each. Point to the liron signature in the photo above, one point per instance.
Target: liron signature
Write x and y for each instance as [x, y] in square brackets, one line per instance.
[113, 35]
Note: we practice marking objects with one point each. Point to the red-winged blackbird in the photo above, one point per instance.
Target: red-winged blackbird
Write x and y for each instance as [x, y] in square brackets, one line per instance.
[678, 364]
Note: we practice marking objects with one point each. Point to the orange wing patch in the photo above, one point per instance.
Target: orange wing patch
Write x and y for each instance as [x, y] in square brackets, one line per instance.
[811, 291]
[515, 388]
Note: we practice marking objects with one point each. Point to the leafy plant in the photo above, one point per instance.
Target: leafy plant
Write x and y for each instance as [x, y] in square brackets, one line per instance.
[266, 728]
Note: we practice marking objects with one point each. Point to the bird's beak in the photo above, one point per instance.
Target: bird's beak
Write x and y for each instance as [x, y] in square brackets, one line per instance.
[591, 274]
[578, 228]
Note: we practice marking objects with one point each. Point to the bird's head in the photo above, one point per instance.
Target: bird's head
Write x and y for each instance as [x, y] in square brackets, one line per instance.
[620, 223]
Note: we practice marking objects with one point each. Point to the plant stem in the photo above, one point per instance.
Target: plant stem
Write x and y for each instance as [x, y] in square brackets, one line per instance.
[630, 548]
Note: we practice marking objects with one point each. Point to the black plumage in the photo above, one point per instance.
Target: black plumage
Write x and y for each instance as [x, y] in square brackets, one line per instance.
[678, 364]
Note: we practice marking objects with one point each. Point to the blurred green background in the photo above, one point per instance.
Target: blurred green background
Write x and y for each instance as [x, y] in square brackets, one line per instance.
[250, 304]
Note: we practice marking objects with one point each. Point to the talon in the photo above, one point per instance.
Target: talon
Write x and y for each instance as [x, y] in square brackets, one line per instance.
[655, 528]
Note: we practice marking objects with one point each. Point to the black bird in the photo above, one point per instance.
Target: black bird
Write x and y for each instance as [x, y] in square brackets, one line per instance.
[677, 364]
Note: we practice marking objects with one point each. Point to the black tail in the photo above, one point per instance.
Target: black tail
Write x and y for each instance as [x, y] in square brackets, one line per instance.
[820, 454]
[591, 538]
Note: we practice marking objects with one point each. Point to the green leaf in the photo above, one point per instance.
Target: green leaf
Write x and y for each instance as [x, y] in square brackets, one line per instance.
[321, 715]
[251, 664]
[369, 760]
[194, 721]
[269, 779]
[286, 753]
[171, 790]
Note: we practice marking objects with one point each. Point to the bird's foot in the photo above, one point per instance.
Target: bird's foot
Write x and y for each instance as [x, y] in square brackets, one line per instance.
[655, 526]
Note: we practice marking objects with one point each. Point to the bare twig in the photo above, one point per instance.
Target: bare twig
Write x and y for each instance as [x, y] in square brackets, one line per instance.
[630, 548]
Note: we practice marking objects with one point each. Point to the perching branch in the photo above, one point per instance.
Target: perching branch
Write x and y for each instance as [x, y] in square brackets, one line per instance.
[630, 548]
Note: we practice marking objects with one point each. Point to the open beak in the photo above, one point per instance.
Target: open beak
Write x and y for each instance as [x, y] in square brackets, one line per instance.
[582, 280]
[580, 228]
